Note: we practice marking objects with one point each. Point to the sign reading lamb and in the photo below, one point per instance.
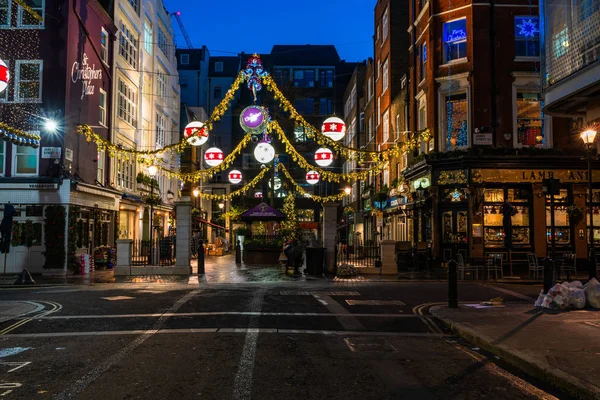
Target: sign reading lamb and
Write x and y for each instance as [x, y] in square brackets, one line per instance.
[86, 74]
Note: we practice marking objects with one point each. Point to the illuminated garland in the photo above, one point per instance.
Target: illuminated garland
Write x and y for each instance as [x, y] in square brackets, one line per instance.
[29, 10]
[240, 192]
[223, 106]
[299, 189]
[325, 175]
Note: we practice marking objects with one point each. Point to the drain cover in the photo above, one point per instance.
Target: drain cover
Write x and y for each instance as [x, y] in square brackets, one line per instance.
[375, 303]
[378, 345]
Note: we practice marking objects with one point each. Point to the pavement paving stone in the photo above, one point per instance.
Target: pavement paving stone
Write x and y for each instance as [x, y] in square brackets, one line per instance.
[561, 347]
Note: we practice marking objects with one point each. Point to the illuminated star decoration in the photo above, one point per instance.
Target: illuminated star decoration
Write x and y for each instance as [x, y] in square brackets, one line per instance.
[528, 28]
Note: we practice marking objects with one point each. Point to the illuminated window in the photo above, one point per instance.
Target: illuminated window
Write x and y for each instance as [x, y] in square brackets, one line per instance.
[455, 40]
[527, 37]
[104, 46]
[455, 124]
[26, 160]
[530, 121]
[128, 45]
[28, 81]
[34, 16]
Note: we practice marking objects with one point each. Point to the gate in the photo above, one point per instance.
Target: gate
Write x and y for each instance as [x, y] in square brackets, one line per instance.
[161, 252]
[358, 255]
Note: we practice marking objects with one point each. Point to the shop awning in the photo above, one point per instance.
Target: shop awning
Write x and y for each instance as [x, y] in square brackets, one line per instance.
[203, 221]
[132, 197]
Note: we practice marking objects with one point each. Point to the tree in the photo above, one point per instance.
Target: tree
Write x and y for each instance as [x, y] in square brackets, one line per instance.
[290, 228]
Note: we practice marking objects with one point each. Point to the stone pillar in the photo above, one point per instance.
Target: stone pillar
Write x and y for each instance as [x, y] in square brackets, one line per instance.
[538, 213]
[388, 257]
[329, 228]
[183, 209]
[124, 250]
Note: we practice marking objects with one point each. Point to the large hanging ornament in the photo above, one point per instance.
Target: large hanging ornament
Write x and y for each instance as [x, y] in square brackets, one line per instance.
[312, 177]
[258, 195]
[264, 152]
[4, 76]
[195, 133]
[213, 156]
[254, 119]
[253, 73]
[334, 128]
[235, 176]
[323, 157]
[277, 183]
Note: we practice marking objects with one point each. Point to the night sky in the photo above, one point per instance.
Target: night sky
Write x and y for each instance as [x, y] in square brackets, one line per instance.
[228, 27]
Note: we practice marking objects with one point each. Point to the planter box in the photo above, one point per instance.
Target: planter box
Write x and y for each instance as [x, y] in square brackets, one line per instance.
[262, 256]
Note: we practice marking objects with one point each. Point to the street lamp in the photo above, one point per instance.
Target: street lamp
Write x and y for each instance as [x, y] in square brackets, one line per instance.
[589, 136]
[196, 193]
[348, 190]
[152, 170]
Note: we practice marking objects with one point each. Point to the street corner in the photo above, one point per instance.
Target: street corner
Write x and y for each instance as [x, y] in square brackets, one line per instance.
[15, 309]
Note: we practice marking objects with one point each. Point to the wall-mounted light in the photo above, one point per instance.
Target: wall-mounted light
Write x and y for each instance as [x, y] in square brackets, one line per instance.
[507, 136]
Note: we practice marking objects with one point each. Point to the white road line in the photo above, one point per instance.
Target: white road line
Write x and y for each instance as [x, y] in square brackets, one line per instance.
[344, 317]
[220, 331]
[242, 389]
[510, 292]
[217, 313]
[92, 375]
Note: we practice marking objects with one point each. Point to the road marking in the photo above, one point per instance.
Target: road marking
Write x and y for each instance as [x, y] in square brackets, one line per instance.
[16, 364]
[93, 374]
[344, 317]
[375, 303]
[217, 313]
[510, 292]
[322, 293]
[117, 298]
[242, 389]
[56, 307]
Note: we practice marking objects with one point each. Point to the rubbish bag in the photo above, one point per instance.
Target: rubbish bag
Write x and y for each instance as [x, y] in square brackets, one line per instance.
[592, 293]
[557, 298]
[540, 299]
[577, 298]
[575, 285]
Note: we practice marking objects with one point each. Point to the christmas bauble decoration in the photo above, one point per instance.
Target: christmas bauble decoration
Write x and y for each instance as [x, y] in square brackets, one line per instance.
[323, 157]
[312, 177]
[4, 76]
[264, 152]
[277, 183]
[258, 195]
[254, 119]
[195, 133]
[213, 156]
[334, 128]
[235, 176]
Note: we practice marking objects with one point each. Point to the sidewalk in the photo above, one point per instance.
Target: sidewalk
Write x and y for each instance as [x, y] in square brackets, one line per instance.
[561, 348]
[15, 309]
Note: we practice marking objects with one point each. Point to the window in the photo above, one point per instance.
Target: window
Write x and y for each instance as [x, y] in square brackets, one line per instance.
[371, 131]
[560, 43]
[184, 59]
[347, 108]
[527, 37]
[455, 124]
[326, 78]
[25, 160]
[162, 42]
[384, 25]
[127, 104]
[100, 166]
[148, 37]
[377, 34]
[104, 46]
[455, 40]
[219, 66]
[386, 176]
[562, 220]
[325, 106]
[217, 92]
[2, 156]
[530, 121]
[282, 77]
[386, 126]
[125, 171]
[161, 84]
[102, 108]
[304, 78]
[34, 16]
[28, 81]
[385, 75]
[423, 61]
[128, 46]
[589, 8]
[397, 127]
[378, 111]
[361, 123]
[378, 71]
[161, 123]
[520, 199]
[5, 7]
[300, 134]
[370, 88]
[135, 4]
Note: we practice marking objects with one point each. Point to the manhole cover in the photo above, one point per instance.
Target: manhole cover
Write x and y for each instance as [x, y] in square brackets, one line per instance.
[375, 303]
[378, 345]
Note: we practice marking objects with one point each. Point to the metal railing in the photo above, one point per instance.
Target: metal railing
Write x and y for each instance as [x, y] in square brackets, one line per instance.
[358, 255]
[160, 253]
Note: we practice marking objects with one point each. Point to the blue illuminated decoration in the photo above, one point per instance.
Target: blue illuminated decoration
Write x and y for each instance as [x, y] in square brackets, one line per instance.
[424, 52]
[528, 26]
[455, 31]
[253, 73]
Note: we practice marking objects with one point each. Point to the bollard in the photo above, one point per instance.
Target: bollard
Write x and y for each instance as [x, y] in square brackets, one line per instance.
[452, 285]
[548, 274]
[238, 253]
[200, 256]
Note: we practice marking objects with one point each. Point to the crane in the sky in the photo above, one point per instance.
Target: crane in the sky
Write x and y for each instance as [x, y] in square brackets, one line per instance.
[177, 16]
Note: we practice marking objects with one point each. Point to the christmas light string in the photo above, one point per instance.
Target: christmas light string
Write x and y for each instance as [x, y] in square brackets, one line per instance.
[34, 14]
[300, 189]
[240, 192]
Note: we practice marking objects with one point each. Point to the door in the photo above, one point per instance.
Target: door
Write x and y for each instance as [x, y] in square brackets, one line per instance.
[455, 233]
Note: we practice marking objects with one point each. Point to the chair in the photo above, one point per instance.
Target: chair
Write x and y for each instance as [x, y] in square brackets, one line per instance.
[534, 266]
[462, 268]
[494, 264]
[568, 265]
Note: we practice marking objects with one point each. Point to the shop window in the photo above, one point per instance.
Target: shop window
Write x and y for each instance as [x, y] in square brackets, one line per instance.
[455, 40]
[455, 230]
[455, 195]
[25, 160]
[527, 37]
[530, 120]
[562, 221]
[456, 121]
[595, 213]
[494, 199]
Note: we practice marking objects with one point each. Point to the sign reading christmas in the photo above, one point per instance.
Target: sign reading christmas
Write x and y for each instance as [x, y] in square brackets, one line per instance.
[213, 156]
[86, 74]
[254, 119]
[4, 76]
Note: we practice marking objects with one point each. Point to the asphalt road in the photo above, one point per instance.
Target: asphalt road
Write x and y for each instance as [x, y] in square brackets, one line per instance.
[307, 340]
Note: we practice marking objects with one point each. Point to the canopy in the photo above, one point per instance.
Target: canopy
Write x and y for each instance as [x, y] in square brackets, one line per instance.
[262, 212]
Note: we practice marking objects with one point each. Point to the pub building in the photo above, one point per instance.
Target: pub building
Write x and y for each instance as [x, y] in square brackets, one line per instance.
[456, 206]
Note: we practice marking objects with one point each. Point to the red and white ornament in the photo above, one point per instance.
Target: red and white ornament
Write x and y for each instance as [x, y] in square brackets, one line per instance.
[323, 157]
[235, 176]
[4, 76]
[312, 177]
[334, 128]
[213, 156]
[258, 195]
[195, 133]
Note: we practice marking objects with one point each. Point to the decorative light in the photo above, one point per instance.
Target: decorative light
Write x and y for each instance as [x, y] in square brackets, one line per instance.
[348, 190]
[196, 192]
[588, 136]
[195, 133]
[264, 152]
[235, 176]
[221, 205]
[254, 119]
[323, 157]
[213, 156]
[4, 76]
[152, 170]
[334, 128]
[312, 177]
[51, 125]
[277, 183]
[258, 195]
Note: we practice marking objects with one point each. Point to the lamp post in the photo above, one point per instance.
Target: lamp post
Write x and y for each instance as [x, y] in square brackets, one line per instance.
[196, 193]
[347, 191]
[588, 136]
[152, 170]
